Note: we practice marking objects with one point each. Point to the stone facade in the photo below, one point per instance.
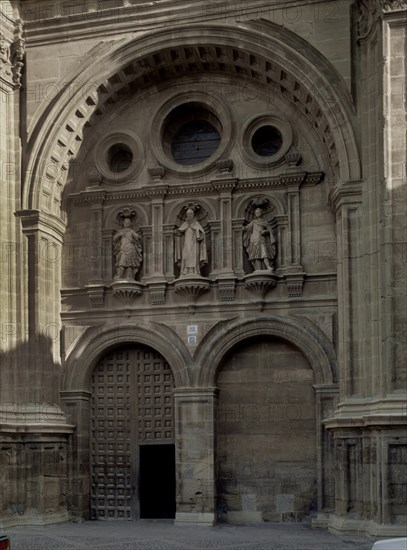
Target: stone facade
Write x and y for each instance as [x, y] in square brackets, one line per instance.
[144, 310]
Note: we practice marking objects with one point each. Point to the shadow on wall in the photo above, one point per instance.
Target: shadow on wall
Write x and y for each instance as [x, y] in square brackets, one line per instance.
[33, 435]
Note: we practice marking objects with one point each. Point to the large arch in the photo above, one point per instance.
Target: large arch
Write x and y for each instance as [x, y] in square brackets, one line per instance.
[58, 132]
[307, 338]
[95, 341]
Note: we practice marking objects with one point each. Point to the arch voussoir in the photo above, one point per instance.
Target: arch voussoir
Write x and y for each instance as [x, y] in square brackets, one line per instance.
[314, 345]
[95, 341]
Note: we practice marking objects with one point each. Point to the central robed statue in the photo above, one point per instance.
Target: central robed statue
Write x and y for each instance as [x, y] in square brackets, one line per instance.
[190, 246]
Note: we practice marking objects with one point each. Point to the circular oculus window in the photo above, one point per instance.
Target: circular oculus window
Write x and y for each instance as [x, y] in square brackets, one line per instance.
[119, 157]
[189, 134]
[194, 142]
[267, 141]
[192, 134]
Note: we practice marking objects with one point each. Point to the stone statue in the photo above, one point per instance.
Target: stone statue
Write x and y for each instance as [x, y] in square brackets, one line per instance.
[5, 64]
[128, 251]
[259, 242]
[190, 246]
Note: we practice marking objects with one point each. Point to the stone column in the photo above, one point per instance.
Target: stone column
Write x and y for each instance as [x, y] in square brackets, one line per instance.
[157, 205]
[294, 225]
[95, 286]
[225, 272]
[326, 396]
[393, 254]
[345, 201]
[12, 245]
[159, 262]
[195, 440]
[294, 271]
[76, 405]
[282, 241]
[40, 381]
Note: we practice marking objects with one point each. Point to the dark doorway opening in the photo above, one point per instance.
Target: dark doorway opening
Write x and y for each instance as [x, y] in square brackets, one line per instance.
[157, 481]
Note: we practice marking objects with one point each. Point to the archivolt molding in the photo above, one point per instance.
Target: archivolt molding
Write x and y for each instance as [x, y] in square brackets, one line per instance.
[261, 53]
[96, 341]
[222, 338]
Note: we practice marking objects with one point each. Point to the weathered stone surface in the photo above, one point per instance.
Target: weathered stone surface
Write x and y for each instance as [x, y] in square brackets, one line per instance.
[289, 382]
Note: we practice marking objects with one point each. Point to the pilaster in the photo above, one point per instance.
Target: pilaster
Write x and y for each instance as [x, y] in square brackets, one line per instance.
[195, 420]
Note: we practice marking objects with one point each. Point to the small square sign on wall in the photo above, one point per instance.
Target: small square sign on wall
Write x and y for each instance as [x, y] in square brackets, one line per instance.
[192, 329]
[192, 340]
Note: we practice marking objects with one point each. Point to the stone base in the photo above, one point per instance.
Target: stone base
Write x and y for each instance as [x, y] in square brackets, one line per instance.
[35, 519]
[203, 519]
[366, 528]
[244, 517]
[320, 521]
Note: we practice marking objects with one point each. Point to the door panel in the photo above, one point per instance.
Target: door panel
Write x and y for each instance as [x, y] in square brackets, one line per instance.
[132, 404]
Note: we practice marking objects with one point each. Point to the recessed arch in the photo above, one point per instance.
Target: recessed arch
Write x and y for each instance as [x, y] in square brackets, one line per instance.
[243, 202]
[95, 341]
[258, 50]
[223, 337]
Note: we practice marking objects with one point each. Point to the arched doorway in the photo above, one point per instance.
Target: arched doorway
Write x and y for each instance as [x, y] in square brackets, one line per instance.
[132, 459]
[266, 433]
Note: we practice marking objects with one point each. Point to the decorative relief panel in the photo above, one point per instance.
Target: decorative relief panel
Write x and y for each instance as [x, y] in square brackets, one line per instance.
[218, 235]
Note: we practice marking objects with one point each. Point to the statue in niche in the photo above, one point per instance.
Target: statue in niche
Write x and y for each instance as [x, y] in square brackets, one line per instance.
[259, 242]
[128, 251]
[5, 64]
[190, 246]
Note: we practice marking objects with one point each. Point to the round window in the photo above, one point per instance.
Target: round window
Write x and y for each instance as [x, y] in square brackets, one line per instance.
[119, 157]
[266, 141]
[194, 142]
[192, 134]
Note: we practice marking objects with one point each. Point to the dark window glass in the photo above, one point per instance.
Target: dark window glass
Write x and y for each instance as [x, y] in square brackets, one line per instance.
[266, 141]
[119, 157]
[194, 142]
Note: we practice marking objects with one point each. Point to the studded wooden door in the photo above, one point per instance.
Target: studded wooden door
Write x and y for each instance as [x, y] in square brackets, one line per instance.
[132, 404]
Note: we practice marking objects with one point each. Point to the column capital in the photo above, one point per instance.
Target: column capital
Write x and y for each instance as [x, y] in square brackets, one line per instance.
[196, 393]
[34, 221]
[349, 192]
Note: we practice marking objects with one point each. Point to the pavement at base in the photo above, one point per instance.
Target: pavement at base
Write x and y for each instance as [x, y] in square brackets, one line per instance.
[164, 535]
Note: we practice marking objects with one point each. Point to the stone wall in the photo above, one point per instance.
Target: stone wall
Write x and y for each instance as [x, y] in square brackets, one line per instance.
[78, 78]
[266, 440]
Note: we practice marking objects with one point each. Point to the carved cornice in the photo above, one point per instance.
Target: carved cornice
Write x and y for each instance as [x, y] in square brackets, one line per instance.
[224, 186]
[282, 181]
[394, 5]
